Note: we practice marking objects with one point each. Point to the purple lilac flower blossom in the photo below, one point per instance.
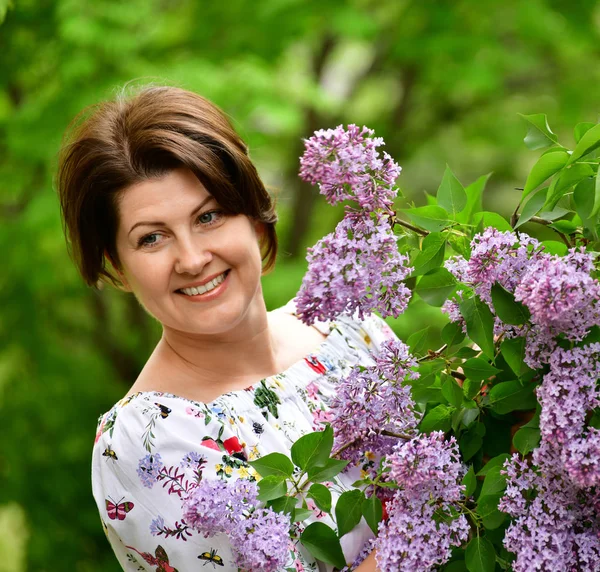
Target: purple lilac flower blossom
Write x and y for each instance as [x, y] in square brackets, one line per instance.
[414, 539]
[355, 268]
[428, 466]
[260, 536]
[347, 166]
[555, 526]
[149, 468]
[261, 541]
[560, 296]
[373, 400]
[212, 506]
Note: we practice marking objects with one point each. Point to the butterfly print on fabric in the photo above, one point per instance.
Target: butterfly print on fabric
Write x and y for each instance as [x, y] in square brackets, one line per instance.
[118, 510]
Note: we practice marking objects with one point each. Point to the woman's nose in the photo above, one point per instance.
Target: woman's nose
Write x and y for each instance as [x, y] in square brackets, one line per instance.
[192, 257]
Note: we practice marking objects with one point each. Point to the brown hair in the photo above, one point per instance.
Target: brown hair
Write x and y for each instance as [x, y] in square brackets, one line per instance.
[115, 144]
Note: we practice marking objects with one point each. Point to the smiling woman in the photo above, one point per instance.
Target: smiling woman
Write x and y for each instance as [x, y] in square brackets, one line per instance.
[159, 197]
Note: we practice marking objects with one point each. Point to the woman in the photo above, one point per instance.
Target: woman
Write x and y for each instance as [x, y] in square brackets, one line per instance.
[159, 197]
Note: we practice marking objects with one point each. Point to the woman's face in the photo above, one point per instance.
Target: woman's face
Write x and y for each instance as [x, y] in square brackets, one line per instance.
[194, 268]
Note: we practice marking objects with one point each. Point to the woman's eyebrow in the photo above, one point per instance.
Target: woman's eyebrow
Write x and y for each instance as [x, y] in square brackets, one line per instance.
[160, 223]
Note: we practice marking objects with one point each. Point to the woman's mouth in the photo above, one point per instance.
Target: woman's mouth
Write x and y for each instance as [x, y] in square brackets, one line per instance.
[205, 288]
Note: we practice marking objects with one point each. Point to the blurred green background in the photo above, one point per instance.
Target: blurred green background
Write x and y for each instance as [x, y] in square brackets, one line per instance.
[441, 81]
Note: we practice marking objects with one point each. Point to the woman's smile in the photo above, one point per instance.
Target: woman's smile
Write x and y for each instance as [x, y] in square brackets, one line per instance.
[200, 291]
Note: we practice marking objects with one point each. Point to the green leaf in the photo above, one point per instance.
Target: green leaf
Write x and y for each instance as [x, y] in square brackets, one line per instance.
[471, 388]
[507, 308]
[451, 194]
[480, 555]
[348, 510]
[528, 436]
[284, 504]
[452, 334]
[432, 217]
[431, 254]
[470, 482]
[533, 206]
[455, 566]
[301, 514]
[546, 166]
[586, 196]
[438, 419]
[321, 495]
[471, 441]
[588, 142]
[494, 482]
[273, 464]
[486, 219]
[526, 439]
[322, 542]
[271, 487]
[474, 192]
[313, 449]
[466, 352]
[487, 508]
[435, 287]
[564, 226]
[478, 369]
[512, 396]
[326, 472]
[480, 324]
[452, 392]
[555, 247]
[372, 510]
[569, 177]
[539, 135]
[596, 208]
[417, 341]
[470, 412]
[581, 129]
[497, 461]
[513, 351]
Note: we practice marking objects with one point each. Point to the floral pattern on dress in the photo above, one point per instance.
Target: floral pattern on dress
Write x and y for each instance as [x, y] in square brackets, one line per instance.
[151, 449]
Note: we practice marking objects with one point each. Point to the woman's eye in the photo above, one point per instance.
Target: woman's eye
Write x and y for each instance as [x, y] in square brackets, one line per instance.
[209, 217]
[148, 240]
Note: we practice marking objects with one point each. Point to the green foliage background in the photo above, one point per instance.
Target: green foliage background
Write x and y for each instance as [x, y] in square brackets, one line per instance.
[441, 81]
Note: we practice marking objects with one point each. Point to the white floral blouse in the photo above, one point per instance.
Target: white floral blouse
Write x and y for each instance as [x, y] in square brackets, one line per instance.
[152, 448]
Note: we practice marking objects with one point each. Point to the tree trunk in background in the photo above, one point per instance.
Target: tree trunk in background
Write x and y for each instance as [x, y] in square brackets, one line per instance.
[305, 194]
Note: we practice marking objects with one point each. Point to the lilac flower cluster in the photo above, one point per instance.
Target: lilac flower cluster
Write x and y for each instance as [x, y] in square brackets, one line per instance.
[259, 536]
[355, 268]
[414, 538]
[372, 401]
[555, 526]
[347, 166]
[563, 299]
[559, 292]
[495, 257]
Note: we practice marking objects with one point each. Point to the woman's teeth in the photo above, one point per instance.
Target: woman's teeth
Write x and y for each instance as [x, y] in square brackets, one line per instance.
[205, 288]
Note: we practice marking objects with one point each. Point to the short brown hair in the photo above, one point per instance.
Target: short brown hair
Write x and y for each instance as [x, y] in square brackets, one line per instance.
[115, 144]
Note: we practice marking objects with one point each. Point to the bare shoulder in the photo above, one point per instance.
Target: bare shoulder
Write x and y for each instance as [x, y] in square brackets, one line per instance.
[294, 338]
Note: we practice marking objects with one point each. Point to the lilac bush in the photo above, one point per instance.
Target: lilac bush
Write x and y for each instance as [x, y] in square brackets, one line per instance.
[483, 453]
